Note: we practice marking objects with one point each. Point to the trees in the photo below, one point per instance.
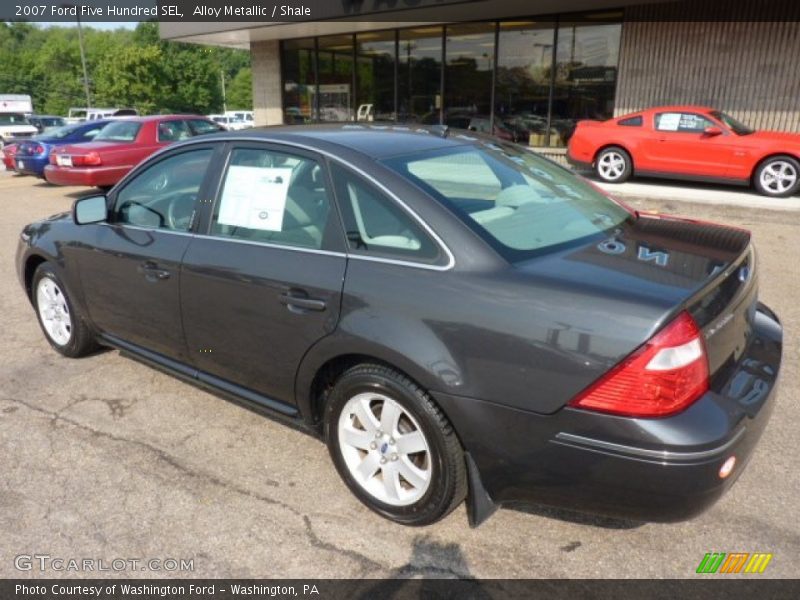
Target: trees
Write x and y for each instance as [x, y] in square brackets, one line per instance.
[126, 68]
[240, 90]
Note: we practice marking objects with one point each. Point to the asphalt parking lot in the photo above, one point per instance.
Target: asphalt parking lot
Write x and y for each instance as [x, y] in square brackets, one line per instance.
[104, 458]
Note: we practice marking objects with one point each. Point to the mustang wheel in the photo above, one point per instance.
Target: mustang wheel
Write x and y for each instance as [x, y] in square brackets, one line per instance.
[393, 446]
[63, 327]
[778, 177]
[614, 165]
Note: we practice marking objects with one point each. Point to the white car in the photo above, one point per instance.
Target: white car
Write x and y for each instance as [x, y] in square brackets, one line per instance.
[14, 126]
[230, 123]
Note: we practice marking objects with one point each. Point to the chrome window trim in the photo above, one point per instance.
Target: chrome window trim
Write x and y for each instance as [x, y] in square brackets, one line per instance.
[451, 261]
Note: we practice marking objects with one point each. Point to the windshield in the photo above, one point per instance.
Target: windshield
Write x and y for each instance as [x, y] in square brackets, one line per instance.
[521, 204]
[58, 133]
[13, 119]
[119, 131]
[737, 127]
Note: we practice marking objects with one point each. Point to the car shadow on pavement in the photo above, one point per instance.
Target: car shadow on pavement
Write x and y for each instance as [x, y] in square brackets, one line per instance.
[576, 517]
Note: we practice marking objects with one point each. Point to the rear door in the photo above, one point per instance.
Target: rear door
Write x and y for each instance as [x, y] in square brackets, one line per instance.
[679, 145]
[131, 271]
[264, 282]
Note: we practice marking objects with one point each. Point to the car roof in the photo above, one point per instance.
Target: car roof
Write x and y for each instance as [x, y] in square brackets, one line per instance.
[373, 139]
[150, 118]
[677, 108]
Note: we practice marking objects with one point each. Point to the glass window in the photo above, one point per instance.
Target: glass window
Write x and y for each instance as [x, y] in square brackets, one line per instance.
[119, 131]
[376, 225]
[202, 126]
[419, 75]
[468, 83]
[738, 127]
[163, 195]
[173, 131]
[375, 63]
[586, 74]
[272, 197]
[636, 121]
[524, 67]
[299, 80]
[335, 72]
[13, 119]
[682, 122]
[518, 202]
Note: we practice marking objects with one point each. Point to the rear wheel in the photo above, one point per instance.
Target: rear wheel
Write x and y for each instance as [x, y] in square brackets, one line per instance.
[778, 177]
[62, 324]
[393, 447]
[613, 165]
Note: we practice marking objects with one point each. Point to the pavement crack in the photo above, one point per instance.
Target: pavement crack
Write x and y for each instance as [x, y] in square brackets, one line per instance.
[366, 563]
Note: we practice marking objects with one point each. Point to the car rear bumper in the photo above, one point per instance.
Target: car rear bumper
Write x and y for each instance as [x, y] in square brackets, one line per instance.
[577, 163]
[644, 469]
[88, 176]
[31, 165]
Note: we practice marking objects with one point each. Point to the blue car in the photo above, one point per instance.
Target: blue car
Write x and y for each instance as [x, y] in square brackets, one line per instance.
[34, 154]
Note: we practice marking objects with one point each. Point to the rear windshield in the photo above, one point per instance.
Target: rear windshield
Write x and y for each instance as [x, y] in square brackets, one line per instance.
[59, 132]
[521, 204]
[119, 131]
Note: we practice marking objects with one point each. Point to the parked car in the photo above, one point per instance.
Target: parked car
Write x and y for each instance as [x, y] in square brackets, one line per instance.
[34, 155]
[46, 122]
[230, 122]
[455, 316]
[78, 115]
[688, 142]
[7, 152]
[118, 147]
[15, 127]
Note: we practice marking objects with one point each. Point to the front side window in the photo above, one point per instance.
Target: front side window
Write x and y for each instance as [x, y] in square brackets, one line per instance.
[119, 131]
[521, 204]
[682, 122]
[377, 226]
[272, 197]
[163, 196]
[736, 126]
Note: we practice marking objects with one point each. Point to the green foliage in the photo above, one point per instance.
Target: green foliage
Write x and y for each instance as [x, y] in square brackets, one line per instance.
[240, 90]
[126, 69]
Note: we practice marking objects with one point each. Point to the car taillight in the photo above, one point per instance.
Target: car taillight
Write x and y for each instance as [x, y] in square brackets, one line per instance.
[662, 377]
[91, 160]
[38, 149]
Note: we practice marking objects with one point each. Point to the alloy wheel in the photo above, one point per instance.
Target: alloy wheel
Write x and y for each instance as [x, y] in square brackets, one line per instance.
[384, 449]
[778, 177]
[611, 166]
[54, 311]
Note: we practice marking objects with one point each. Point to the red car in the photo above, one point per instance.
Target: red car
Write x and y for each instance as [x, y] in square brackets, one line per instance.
[688, 142]
[7, 153]
[119, 147]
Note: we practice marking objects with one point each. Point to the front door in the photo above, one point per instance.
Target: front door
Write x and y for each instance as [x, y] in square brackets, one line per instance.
[131, 272]
[265, 282]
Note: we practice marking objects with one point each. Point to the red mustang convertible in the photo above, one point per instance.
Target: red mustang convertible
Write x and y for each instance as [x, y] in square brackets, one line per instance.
[119, 147]
[688, 142]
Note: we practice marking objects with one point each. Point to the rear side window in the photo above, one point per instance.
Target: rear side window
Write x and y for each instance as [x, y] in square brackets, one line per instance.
[273, 197]
[376, 225]
[631, 121]
[173, 131]
[119, 131]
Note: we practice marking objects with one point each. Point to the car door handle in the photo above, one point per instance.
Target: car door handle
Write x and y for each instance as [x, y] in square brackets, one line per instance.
[297, 303]
[152, 272]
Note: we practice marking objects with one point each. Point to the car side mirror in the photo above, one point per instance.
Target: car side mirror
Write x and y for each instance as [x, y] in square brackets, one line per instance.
[92, 209]
[712, 131]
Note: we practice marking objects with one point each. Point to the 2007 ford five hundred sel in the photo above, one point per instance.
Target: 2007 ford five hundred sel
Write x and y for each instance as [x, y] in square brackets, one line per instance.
[456, 317]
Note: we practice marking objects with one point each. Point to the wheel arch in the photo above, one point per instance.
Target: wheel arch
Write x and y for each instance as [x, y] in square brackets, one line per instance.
[32, 263]
[769, 156]
[613, 145]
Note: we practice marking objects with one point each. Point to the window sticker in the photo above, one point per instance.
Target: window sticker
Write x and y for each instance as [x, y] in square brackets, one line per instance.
[669, 122]
[254, 197]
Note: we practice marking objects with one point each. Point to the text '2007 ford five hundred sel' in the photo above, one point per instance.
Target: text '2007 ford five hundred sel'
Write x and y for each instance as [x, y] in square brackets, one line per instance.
[456, 317]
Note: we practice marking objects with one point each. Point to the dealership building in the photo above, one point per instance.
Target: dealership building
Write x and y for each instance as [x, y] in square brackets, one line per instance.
[525, 69]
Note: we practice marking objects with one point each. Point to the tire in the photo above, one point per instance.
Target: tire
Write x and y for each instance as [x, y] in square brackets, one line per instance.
[61, 322]
[777, 177]
[613, 165]
[427, 480]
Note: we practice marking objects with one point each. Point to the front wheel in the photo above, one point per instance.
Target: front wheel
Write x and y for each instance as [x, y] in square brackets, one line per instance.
[393, 446]
[613, 165]
[62, 324]
[778, 177]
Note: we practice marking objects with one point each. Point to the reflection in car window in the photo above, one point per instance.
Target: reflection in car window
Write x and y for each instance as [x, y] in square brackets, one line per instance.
[201, 126]
[737, 127]
[376, 225]
[119, 131]
[163, 196]
[519, 203]
[272, 197]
